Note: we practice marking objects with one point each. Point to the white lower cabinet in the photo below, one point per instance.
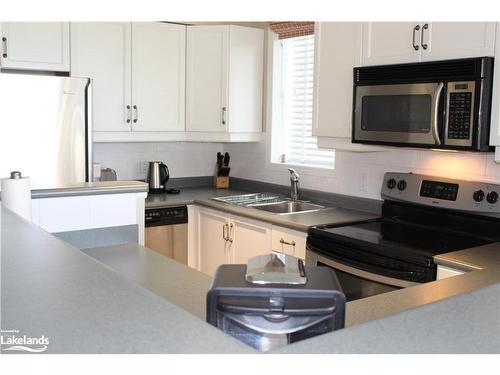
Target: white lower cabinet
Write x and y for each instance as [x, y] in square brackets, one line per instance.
[222, 238]
[216, 238]
[444, 272]
[289, 241]
[212, 249]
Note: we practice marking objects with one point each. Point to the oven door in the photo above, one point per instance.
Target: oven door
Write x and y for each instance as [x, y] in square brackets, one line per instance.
[399, 114]
[357, 283]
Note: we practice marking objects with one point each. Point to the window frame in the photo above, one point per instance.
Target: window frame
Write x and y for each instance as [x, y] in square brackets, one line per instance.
[273, 120]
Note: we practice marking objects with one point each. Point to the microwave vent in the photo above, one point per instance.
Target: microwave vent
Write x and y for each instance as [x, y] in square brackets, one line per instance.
[463, 69]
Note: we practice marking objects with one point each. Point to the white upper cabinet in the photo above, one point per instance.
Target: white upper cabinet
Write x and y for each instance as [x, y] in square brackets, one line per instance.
[454, 40]
[138, 72]
[207, 75]
[158, 76]
[224, 78]
[333, 79]
[390, 43]
[102, 51]
[35, 46]
[404, 42]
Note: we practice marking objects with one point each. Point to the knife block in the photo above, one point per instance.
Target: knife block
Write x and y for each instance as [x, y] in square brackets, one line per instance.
[220, 182]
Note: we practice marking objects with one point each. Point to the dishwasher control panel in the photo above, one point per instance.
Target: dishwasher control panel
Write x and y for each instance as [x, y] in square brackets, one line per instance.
[166, 216]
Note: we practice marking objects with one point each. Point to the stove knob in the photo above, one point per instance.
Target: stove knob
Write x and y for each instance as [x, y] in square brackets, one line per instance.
[402, 185]
[478, 195]
[391, 183]
[492, 197]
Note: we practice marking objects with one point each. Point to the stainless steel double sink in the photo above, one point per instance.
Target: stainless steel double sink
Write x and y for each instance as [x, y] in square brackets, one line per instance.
[271, 203]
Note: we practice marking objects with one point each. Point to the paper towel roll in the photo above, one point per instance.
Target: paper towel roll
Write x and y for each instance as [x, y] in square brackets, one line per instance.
[16, 195]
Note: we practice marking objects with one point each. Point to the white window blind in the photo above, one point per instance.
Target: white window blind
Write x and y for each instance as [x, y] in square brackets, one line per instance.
[297, 80]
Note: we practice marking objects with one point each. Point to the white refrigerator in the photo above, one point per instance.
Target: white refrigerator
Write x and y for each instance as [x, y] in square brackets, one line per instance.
[45, 129]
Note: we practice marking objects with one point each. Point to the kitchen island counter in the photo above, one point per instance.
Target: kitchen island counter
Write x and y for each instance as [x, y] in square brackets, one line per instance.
[50, 288]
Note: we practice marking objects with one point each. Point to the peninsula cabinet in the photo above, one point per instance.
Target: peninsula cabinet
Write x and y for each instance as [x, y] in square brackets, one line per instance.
[40, 46]
[224, 81]
[138, 73]
[405, 42]
[218, 238]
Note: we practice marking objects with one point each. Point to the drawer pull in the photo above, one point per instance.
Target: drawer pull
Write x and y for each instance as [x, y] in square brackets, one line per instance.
[283, 242]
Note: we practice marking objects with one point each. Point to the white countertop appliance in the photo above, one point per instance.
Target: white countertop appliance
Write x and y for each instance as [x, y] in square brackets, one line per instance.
[268, 315]
[46, 128]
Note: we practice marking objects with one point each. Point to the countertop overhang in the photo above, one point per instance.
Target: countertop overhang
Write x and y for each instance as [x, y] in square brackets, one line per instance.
[90, 188]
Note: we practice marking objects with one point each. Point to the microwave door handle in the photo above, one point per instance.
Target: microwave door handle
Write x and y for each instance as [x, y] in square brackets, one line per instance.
[435, 122]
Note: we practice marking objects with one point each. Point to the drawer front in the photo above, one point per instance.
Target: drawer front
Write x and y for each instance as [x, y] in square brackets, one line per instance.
[289, 242]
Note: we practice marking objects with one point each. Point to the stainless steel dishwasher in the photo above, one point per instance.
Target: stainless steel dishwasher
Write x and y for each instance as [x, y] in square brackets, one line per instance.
[166, 231]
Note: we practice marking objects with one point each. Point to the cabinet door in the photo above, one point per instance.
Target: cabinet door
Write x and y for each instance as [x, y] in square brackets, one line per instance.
[102, 52]
[35, 46]
[206, 78]
[454, 40]
[332, 112]
[246, 69]
[213, 250]
[158, 76]
[250, 238]
[390, 43]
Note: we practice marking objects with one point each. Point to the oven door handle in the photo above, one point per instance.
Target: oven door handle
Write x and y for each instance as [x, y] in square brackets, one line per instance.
[435, 116]
[315, 257]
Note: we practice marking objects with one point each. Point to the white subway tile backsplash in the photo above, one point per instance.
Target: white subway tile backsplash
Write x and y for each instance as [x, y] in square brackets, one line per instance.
[184, 159]
[249, 160]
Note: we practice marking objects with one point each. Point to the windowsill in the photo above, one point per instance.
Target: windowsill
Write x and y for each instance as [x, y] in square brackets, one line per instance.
[303, 166]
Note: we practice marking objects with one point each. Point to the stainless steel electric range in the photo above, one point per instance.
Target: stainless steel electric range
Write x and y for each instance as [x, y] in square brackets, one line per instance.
[422, 216]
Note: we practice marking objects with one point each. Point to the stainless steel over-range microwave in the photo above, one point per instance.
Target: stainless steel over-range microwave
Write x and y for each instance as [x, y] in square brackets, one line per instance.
[441, 104]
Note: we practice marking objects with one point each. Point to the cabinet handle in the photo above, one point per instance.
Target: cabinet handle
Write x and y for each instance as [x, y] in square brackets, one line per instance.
[4, 47]
[415, 29]
[424, 45]
[230, 237]
[136, 114]
[223, 115]
[129, 114]
[283, 242]
[224, 232]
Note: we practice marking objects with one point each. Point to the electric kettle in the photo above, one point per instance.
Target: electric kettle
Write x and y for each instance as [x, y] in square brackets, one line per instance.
[158, 176]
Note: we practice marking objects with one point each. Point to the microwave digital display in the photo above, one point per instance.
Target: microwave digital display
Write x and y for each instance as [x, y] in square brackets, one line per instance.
[439, 190]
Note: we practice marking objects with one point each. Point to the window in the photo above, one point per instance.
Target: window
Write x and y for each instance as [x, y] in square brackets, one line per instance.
[295, 105]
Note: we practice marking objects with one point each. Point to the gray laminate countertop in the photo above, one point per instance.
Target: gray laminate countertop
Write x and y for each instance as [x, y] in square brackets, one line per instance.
[90, 188]
[477, 258]
[188, 196]
[180, 284]
[82, 306]
[202, 196]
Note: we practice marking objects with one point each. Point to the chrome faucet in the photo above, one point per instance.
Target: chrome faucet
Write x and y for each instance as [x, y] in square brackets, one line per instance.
[294, 184]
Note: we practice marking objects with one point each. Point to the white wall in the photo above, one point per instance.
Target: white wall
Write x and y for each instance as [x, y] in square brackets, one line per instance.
[360, 174]
[183, 159]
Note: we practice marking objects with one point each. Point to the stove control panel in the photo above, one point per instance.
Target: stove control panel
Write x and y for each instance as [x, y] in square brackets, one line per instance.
[477, 197]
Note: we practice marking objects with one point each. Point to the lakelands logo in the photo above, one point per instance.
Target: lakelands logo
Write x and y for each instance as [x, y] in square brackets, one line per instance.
[11, 340]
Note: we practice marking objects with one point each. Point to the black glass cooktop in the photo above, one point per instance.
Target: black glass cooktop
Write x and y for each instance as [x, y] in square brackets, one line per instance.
[402, 238]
